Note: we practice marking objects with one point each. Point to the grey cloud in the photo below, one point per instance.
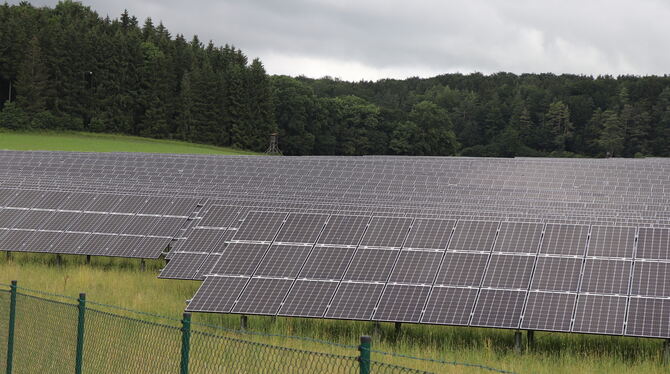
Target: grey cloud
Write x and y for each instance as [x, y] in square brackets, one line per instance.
[374, 38]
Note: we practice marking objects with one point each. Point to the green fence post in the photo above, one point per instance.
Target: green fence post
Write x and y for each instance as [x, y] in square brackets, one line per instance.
[79, 360]
[185, 342]
[364, 358]
[12, 322]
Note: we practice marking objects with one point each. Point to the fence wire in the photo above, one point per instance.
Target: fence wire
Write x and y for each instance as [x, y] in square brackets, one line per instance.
[119, 344]
[118, 340]
[45, 337]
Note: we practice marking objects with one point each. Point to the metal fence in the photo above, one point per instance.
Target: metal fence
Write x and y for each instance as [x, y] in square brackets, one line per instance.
[46, 333]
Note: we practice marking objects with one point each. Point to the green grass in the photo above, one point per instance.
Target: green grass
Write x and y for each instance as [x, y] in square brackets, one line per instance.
[119, 282]
[90, 142]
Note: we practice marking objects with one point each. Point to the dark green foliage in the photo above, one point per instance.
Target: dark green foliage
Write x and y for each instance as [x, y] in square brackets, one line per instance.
[71, 69]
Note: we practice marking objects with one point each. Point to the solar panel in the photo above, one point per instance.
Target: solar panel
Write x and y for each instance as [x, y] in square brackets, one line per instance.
[69, 243]
[115, 223]
[608, 241]
[239, 259]
[139, 225]
[219, 216]
[450, 306]
[130, 204]
[15, 240]
[260, 226]
[217, 294]
[474, 236]
[308, 298]
[33, 219]
[386, 232]
[355, 301]
[509, 271]
[97, 244]
[600, 314]
[166, 226]
[498, 308]
[327, 263]
[462, 269]
[606, 276]
[81, 222]
[9, 217]
[564, 239]
[651, 279]
[103, 203]
[262, 296]
[402, 303]
[301, 228]
[371, 265]
[653, 244]
[183, 265]
[549, 311]
[557, 274]
[203, 240]
[519, 237]
[283, 261]
[41, 241]
[52, 200]
[343, 230]
[416, 267]
[648, 317]
[430, 233]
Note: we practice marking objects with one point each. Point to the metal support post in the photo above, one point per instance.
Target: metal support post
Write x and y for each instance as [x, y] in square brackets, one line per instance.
[666, 352]
[59, 260]
[12, 323]
[517, 341]
[88, 259]
[143, 265]
[243, 322]
[364, 357]
[398, 326]
[185, 342]
[79, 358]
[530, 339]
[8, 255]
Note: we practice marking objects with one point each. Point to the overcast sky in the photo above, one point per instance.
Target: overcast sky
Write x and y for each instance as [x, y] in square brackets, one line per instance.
[373, 39]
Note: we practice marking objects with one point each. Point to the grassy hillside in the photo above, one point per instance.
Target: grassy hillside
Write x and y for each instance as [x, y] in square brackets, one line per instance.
[90, 142]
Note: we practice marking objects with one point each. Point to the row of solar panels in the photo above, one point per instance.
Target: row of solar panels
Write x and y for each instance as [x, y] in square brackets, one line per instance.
[506, 275]
[97, 224]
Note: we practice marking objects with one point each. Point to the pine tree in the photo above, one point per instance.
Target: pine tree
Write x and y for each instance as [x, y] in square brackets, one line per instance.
[33, 80]
[612, 134]
[559, 125]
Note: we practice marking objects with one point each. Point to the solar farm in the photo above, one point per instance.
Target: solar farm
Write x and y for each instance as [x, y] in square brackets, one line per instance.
[557, 245]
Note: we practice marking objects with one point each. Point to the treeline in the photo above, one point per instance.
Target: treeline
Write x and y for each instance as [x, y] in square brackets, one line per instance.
[68, 68]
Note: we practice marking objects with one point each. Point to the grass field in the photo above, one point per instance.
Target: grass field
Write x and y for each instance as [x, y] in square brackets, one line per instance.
[119, 282]
[88, 142]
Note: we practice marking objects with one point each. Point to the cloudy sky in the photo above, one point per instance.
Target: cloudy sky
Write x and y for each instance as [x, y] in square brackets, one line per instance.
[373, 39]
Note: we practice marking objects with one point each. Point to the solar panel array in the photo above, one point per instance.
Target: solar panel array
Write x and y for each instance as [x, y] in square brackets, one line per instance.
[546, 244]
[89, 223]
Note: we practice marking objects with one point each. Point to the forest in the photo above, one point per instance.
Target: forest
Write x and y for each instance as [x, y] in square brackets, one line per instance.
[68, 68]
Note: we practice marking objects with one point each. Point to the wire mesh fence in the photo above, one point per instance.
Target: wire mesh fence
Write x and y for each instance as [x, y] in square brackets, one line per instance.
[47, 333]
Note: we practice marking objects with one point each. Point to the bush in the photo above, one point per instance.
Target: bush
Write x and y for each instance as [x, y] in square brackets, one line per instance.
[14, 118]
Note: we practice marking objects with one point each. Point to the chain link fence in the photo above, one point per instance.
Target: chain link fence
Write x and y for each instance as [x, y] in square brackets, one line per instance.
[47, 333]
